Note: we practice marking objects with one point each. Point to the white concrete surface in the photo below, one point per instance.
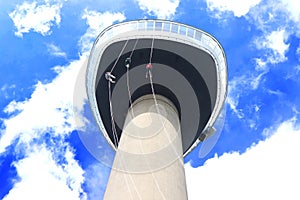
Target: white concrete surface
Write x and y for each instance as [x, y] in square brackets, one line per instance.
[149, 161]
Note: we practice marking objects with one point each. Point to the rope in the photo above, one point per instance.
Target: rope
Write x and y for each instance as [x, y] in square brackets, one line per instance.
[123, 163]
[150, 60]
[127, 77]
[111, 79]
[157, 109]
[134, 47]
[127, 65]
[149, 68]
[119, 56]
[113, 126]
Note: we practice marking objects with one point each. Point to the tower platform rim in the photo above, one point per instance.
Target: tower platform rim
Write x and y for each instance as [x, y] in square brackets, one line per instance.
[155, 28]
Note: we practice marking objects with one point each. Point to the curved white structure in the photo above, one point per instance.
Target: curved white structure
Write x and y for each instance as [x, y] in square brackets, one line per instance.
[167, 31]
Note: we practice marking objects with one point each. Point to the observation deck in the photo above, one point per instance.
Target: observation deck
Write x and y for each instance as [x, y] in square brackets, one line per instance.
[189, 69]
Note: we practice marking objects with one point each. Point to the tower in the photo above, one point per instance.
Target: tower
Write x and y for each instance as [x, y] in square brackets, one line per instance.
[155, 89]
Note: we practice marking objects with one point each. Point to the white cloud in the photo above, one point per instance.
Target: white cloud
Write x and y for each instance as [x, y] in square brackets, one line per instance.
[298, 52]
[240, 85]
[96, 179]
[293, 7]
[239, 8]
[97, 22]
[268, 170]
[268, 132]
[234, 95]
[275, 92]
[42, 178]
[261, 65]
[277, 20]
[263, 13]
[48, 169]
[256, 80]
[297, 68]
[269, 15]
[36, 17]
[49, 109]
[163, 9]
[8, 90]
[56, 51]
[5, 87]
[275, 42]
[52, 110]
[294, 73]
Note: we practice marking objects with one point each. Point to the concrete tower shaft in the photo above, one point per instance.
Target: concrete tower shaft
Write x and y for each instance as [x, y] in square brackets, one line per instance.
[149, 160]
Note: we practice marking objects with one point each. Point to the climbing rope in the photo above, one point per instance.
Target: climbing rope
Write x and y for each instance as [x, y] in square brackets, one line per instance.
[111, 79]
[149, 67]
[119, 56]
[127, 65]
[113, 126]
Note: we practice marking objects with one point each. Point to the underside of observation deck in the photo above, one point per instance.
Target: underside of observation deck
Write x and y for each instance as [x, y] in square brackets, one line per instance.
[195, 65]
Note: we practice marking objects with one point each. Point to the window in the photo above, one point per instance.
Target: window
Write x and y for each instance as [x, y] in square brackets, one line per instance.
[167, 26]
[182, 30]
[174, 28]
[158, 26]
[198, 35]
[141, 25]
[150, 25]
[190, 32]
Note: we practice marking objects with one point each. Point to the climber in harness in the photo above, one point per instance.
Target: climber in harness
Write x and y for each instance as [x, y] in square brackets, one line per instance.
[111, 78]
[149, 68]
[127, 62]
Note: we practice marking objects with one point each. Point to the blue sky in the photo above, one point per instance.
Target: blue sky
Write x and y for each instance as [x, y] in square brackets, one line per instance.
[44, 44]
